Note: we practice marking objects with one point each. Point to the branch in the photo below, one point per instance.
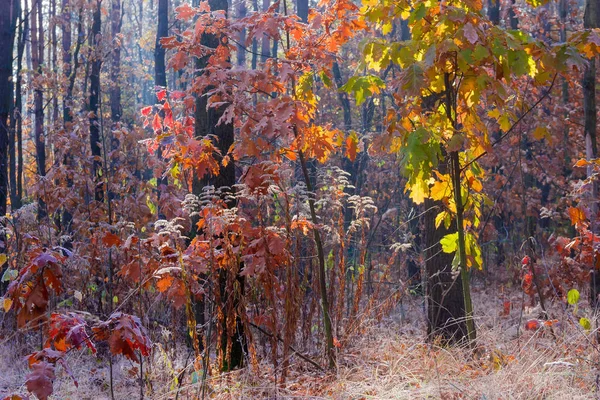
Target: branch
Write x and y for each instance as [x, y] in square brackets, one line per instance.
[530, 109]
[302, 356]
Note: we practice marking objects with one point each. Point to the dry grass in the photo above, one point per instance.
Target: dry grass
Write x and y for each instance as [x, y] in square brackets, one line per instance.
[389, 360]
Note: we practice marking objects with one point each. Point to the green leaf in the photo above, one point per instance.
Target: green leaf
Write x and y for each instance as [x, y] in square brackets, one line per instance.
[10, 275]
[151, 205]
[585, 323]
[363, 87]
[573, 297]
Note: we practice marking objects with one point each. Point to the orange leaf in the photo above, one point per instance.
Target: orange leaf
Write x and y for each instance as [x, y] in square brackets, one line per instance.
[164, 283]
[337, 343]
[532, 325]
[576, 215]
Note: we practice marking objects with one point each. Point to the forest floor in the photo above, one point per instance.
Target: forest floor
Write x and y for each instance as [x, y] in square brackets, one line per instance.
[389, 360]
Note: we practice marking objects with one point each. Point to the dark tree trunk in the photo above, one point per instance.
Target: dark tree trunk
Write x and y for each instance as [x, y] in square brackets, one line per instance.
[37, 59]
[512, 16]
[96, 61]
[16, 117]
[302, 10]
[9, 10]
[445, 303]
[254, 41]
[160, 74]
[206, 124]
[493, 11]
[115, 89]
[160, 70]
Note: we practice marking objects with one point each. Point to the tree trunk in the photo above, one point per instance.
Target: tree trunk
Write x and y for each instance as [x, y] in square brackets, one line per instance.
[16, 118]
[493, 11]
[302, 10]
[206, 124]
[242, 11]
[445, 303]
[96, 61]
[37, 59]
[265, 51]
[9, 10]
[591, 20]
[115, 89]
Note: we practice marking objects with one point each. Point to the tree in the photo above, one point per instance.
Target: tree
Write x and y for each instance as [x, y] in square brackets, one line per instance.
[94, 97]
[9, 12]
[591, 19]
[115, 90]
[37, 60]
[208, 124]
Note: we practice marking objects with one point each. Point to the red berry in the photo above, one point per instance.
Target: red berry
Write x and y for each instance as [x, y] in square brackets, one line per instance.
[525, 260]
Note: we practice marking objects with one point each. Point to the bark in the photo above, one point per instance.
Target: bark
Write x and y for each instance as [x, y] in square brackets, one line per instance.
[115, 89]
[9, 10]
[591, 20]
[37, 59]
[96, 62]
[493, 11]
[206, 124]
[242, 11]
[15, 139]
[445, 303]
[160, 74]
[254, 41]
[302, 10]
[512, 16]
[265, 51]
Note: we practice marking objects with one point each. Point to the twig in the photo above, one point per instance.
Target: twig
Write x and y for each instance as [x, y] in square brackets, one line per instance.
[302, 356]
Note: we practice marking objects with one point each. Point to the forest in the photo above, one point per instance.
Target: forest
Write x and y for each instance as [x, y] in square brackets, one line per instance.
[294, 199]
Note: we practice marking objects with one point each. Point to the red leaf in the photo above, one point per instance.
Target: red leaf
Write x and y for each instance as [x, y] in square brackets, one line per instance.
[40, 380]
[185, 12]
[146, 111]
[160, 95]
[156, 123]
[506, 307]
[525, 260]
[124, 334]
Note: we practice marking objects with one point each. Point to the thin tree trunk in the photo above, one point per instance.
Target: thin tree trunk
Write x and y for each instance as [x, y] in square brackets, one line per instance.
[96, 61]
[591, 19]
[115, 89]
[17, 120]
[265, 51]
[37, 59]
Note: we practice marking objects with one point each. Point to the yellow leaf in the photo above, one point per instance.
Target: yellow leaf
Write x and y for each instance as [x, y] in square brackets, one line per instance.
[495, 113]
[582, 163]
[440, 190]
[440, 218]
[418, 191]
[7, 304]
[541, 133]
[504, 122]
